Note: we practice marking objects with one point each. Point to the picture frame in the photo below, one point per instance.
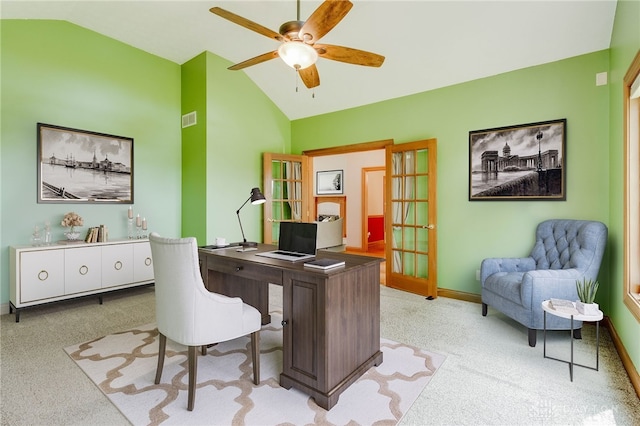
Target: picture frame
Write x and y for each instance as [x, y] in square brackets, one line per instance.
[521, 162]
[81, 166]
[330, 182]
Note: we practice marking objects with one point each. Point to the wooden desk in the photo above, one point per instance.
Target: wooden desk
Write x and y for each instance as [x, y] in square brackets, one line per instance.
[331, 320]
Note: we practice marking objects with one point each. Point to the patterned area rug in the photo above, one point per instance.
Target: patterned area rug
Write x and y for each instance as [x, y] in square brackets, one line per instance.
[123, 366]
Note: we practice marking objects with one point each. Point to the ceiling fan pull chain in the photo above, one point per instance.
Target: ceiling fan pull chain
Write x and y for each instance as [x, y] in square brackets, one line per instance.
[297, 80]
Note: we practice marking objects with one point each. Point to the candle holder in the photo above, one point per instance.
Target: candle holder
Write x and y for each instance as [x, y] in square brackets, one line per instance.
[130, 233]
[138, 227]
[144, 227]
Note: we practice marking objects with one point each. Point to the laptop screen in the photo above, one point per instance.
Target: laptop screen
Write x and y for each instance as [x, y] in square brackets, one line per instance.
[298, 237]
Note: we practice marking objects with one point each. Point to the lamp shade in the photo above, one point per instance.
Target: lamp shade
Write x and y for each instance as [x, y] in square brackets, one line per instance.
[257, 197]
[297, 54]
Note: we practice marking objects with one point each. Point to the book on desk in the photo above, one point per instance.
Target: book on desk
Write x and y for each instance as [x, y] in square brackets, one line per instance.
[324, 264]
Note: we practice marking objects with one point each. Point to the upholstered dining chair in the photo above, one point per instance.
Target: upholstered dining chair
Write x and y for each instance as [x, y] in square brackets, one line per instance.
[565, 251]
[187, 313]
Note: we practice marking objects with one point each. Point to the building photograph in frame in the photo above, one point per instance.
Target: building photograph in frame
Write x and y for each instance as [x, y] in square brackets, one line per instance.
[79, 166]
[523, 162]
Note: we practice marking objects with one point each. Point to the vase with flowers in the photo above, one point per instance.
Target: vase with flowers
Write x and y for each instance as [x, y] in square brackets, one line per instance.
[71, 220]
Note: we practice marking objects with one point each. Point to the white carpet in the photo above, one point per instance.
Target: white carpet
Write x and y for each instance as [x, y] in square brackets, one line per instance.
[123, 366]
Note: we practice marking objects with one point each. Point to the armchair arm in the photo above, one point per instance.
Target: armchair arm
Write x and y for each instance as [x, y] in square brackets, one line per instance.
[505, 264]
[540, 285]
[219, 312]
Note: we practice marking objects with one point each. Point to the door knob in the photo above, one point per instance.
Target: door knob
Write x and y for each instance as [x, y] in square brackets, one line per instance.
[430, 226]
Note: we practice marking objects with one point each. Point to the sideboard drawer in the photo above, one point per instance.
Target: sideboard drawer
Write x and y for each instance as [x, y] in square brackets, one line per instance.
[245, 270]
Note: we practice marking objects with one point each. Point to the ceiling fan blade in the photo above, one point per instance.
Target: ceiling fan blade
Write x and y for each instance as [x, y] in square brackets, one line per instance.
[349, 55]
[310, 76]
[244, 22]
[254, 61]
[323, 19]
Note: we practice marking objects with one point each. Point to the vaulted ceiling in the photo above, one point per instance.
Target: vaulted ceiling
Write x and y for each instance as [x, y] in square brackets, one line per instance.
[427, 44]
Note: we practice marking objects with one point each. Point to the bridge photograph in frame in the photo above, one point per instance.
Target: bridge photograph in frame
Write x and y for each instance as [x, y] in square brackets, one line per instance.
[80, 166]
[521, 162]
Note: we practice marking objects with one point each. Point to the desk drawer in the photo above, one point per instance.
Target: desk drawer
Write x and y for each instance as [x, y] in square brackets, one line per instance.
[245, 270]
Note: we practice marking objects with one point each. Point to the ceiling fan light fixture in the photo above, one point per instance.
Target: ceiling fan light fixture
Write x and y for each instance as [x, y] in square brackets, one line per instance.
[297, 54]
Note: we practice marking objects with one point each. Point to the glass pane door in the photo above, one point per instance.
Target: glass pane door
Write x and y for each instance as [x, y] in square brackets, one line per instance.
[285, 177]
[411, 254]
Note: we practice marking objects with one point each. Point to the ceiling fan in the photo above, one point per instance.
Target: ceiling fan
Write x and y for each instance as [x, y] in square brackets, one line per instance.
[298, 39]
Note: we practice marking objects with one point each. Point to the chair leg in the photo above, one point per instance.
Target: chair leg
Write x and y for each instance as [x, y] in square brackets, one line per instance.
[162, 345]
[193, 367]
[532, 337]
[484, 309]
[577, 333]
[255, 356]
[204, 350]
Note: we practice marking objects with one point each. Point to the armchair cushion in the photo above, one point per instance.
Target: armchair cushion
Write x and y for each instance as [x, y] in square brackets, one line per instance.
[508, 284]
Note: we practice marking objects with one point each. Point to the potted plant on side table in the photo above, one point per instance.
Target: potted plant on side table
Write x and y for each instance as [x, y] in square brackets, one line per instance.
[587, 290]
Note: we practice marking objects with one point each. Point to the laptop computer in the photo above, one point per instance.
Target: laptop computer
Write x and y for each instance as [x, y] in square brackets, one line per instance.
[296, 242]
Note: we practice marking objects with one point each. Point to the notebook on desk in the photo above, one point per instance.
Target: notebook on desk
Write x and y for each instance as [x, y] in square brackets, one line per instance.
[296, 242]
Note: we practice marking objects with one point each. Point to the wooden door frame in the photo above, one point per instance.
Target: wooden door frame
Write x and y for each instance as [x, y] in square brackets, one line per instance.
[344, 149]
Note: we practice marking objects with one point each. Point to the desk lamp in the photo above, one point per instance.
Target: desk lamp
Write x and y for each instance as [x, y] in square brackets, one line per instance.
[256, 197]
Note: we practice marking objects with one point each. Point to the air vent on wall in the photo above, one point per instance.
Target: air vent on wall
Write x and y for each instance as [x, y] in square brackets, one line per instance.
[189, 119]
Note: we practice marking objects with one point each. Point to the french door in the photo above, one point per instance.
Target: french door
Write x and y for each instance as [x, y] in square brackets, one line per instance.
[286, 180]
[411, 217]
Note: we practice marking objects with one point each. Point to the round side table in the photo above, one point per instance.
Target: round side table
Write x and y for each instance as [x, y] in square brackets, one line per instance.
[546, 306]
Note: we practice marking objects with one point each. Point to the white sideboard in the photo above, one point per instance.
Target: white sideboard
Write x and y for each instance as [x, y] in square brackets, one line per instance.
[46, 274]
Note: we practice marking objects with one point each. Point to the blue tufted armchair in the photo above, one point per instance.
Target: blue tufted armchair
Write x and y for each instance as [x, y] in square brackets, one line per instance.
[565, 251]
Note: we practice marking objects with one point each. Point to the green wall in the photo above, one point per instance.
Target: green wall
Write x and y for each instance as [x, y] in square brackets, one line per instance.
[470, 231]
[222, 155]
[625, 43]
[242, 123]
[194, 144]
[58, 73]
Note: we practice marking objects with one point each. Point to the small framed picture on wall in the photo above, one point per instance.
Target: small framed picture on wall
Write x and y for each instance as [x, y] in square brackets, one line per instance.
[329, 182]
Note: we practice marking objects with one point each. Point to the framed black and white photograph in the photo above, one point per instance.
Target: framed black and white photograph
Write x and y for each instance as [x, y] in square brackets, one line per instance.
[523, 162]
[79, 166]
[329, 182]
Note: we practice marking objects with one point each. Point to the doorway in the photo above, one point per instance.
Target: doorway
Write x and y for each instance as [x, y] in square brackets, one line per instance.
[373, 209]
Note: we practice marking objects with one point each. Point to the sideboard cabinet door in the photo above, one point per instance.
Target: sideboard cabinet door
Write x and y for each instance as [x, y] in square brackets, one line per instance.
[82, 269]
[41, 275]
[117, 265]
[142, 262]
